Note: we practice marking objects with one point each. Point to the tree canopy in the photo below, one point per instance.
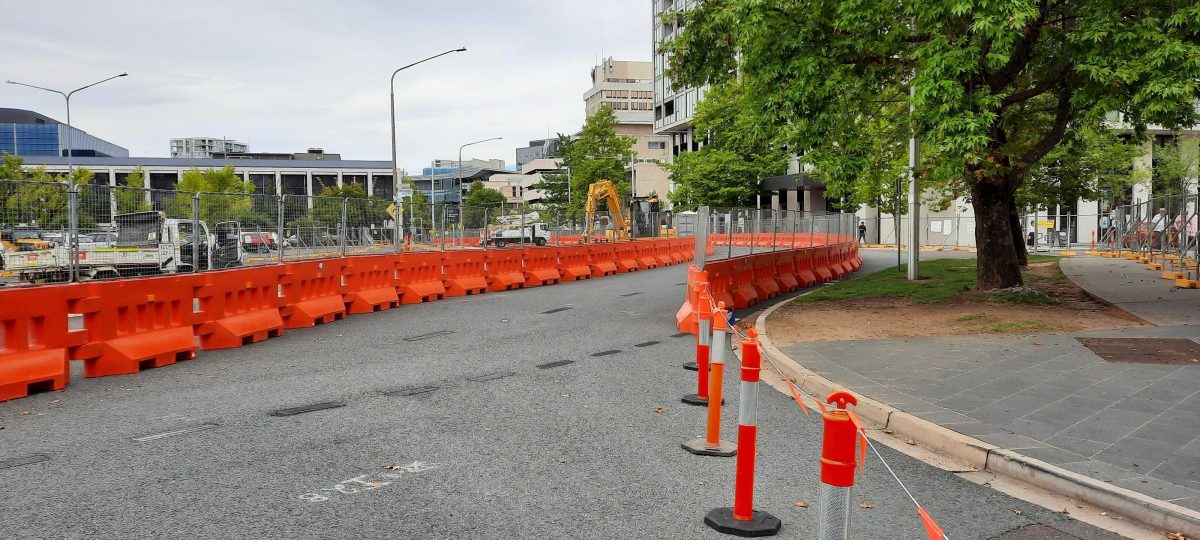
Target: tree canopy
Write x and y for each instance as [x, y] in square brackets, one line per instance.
[997, 86]
[597, 153]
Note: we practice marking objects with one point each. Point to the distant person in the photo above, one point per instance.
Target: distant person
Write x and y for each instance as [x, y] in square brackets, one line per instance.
[1030, 238]
[862, 232]
[1159, 226]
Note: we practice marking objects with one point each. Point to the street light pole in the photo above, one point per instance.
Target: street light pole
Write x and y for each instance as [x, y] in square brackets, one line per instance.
[458, 181]
[392, 101]
[67, 96]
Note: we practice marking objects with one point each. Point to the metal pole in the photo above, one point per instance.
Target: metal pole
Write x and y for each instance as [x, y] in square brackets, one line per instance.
[196, 234]
[73, 232]
[729, 244]
[279, 226]
[345, 234]
[753, 228]
[774, 227]
[914, 190]
[522, 210]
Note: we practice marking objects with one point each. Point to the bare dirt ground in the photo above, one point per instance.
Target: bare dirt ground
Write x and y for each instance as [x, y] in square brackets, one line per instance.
[970, 312]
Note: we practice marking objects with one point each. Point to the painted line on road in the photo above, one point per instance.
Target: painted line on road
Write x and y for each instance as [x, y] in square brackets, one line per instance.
[606, 353]
[429, 335]
[555, 310]
[175, 432]
[632, 293]
[491, 376]
[308, 408]
[23, 460]
[647, 343]
[559, 363]
[410, 391]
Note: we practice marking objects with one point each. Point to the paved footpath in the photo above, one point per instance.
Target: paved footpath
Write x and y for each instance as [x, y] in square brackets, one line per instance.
[509, 426]
[1047, 396]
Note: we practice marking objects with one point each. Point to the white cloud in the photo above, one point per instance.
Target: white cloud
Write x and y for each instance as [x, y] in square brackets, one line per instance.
[286, 76]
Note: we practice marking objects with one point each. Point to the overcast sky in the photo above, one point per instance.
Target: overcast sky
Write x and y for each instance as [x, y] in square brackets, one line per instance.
[286, 76]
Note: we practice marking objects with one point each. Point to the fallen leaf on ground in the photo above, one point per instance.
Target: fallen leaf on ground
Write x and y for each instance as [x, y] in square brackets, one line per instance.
[1037, 343]
[801, 504]
[24, 413]
[1018, 512]
[1175, 536]
[658, 409]
[865, 504]
[1063, 511]
[910, 441]
[888, 431]
[562, 460]
[1104, 513]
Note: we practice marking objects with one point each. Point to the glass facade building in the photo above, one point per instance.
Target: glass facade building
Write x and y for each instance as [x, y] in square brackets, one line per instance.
[29, 134]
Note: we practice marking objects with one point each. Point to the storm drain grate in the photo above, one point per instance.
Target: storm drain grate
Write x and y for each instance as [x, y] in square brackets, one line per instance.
[559, 363]
[308, 408]
[647, 344]
[491, 376]
[555, 310]
[23, 460]
[429, 335]
[410, 391]
[1167, 351]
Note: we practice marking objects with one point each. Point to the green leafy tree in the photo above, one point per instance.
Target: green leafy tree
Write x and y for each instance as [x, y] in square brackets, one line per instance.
[480, 197]
[37, 198]
[361, 210]
[742, 150]
[1091, 163]
[132, 199]
[1174, 167]
[597, 153]
[224, 196]
[998, 85]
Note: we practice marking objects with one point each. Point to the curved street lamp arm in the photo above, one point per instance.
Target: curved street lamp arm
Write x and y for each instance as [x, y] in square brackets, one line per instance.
[460, 49]
[95, 83]
[38, 87]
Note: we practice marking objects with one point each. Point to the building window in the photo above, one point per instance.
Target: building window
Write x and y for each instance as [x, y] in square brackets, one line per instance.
[657, 145]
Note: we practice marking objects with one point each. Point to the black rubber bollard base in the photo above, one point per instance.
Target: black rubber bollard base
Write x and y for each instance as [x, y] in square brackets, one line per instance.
[695, 399]
[700, 447]
[759, 524]
[691, 366]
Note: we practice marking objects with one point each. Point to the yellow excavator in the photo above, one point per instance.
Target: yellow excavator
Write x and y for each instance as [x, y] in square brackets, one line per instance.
[606, 190]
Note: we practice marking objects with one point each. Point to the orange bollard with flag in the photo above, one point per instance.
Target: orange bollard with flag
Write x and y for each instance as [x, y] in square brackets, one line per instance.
[711, 444]
[742, 519]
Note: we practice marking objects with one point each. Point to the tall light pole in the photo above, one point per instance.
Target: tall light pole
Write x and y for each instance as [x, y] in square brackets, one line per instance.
[392, 101]
[67, 97]
[458, 181]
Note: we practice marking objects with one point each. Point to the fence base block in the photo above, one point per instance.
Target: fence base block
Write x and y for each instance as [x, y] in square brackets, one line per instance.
[241, 329]
[310, 313]
[759, 524]
[371, 300]
[21, 372]
[131, 354]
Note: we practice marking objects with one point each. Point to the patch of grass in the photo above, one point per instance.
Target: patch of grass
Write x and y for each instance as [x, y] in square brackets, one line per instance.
[941, 279]
[974, 317]
[1017, 326]
[1034, 298]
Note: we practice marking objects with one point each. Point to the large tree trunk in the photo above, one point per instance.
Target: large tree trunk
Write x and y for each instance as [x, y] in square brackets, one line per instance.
[997, 266]
[1014, 221]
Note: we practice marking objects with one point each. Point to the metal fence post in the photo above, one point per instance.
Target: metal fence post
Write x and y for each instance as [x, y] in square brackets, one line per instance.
[73, 231]
[700, 232]
[196, 234]
[345, 236]
[522, 210]
[774, 228]
[729, 244]
[279, 226]
[754, 223]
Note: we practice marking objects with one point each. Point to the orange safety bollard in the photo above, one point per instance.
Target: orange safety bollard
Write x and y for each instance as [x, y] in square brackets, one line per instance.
[703, 342]
[711, 444]
[742, 519]
[839, 460]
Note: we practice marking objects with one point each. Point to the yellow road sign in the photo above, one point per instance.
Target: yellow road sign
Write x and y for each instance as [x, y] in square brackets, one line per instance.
[391, 210]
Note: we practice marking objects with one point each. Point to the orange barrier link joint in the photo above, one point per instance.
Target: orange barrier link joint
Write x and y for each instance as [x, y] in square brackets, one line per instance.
[839, 444]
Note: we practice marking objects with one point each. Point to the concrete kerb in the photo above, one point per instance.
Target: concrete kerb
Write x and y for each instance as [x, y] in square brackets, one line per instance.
[1154, 513]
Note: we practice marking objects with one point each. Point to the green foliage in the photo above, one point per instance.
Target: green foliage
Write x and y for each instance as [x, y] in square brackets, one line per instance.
[361, 210]
[1091, 162]
[133, 199]
[39, 198]
[224, 196]
[1018, 326]
[941, 279]
[480, 197]
[598, 153]
[998, 85]
[742, 150]
[1174, 167]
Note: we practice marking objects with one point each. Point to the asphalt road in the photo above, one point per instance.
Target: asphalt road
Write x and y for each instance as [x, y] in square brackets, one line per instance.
[487, 444]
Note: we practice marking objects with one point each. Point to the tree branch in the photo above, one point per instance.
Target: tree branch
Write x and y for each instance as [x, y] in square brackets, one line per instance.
[1061, 117]
[1041, 88]
[1020, 55]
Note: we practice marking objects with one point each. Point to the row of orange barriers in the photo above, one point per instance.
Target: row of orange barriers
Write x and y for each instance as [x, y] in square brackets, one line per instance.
[781, 240]
[744, 281]
[133, 324]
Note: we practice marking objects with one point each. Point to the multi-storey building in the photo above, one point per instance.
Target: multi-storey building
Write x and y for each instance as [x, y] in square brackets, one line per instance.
[204, 147]
[29, 134]
[673, 107]
[539, 149]
[627, 88]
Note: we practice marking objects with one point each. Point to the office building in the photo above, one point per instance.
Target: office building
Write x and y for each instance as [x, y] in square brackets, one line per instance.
[29, 134]
[673, 107]
[627, 88]
[313, 154]
[539, 149]
[204, 147]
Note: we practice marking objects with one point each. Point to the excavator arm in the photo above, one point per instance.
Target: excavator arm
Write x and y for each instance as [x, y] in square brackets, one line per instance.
[607, 191]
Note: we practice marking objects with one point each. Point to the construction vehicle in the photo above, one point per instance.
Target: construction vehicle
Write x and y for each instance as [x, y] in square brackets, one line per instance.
[147, 243]
[501, 235]
[607, 191]
[22, 239]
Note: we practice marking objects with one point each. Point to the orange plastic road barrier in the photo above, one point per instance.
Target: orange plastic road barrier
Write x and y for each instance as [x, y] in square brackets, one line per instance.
[239, 307]
[312, 293]
[704, 314]
[742, 289]
[764, 275]
[742, 519]
[135, 324]
[34, 339]
[646, 251]
[821, 264]
[785, 271]
[602, 259]
[419, 277]
[685, 317]
[719, 275]
[831, 262]
[662, 250]
[573, 263]
[625, 255]
[541, 266]
[370, 284]
[843, 255]
[465, 273]
[803, 259]
[711, 444]
[504, 271]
